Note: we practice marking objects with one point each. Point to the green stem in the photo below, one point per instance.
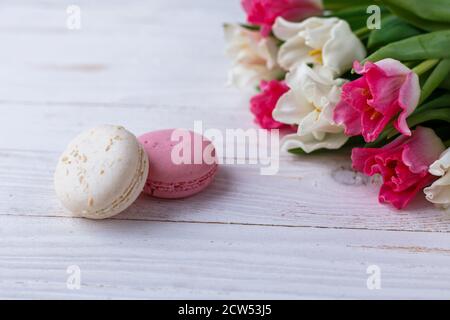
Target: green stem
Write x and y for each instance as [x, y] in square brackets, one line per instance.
[437, 109]
[428, 115]
[362, 32]
[425, 66]
[382, 137]
[410, 64]
[343, 4]
[435, 79]
[250, 27]
[442, 101]
[421, 117]
[356, 141]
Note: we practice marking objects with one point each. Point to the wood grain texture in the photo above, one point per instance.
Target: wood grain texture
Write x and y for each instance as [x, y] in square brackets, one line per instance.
[309, 231]
[314, 191]
[151, 52]
[129, 259]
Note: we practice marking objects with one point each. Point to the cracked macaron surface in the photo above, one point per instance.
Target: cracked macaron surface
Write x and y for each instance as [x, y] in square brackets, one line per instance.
[101, 173]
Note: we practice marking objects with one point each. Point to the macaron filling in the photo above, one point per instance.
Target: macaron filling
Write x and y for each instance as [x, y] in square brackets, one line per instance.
[152, 186]
[174, 166]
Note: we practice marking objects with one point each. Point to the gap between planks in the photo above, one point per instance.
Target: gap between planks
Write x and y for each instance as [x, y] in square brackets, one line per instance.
[238, 196]
[224, 223]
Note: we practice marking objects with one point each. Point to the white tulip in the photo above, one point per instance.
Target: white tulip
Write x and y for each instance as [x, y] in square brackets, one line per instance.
[253, 57]
[439, 192]
[310, 103]
[323, 41]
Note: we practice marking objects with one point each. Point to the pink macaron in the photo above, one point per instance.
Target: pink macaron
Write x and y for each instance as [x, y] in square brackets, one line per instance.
[182, 163]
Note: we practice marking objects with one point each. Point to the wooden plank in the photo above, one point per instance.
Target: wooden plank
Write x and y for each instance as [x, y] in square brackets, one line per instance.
[318, 191]
[158, 64]
[51, 126]
[137, 55]
[130, 259]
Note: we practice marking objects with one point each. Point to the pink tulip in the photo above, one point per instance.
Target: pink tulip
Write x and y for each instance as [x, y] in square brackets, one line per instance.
[403, 164]
[387, 89]
[264, 12]
[263, 103]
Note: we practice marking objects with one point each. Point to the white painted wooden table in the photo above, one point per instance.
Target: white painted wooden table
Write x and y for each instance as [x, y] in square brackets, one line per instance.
[309, 232]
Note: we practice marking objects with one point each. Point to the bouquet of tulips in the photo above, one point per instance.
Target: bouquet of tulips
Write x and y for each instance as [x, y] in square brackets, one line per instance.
[374, 75]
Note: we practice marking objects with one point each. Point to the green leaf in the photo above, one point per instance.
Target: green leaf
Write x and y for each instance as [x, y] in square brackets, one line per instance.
[442, 101]
[438, 75]
[356, 16]
[419, 22]
[343, 4]
[356, 23]
[392, 29]
[355, 141]
[382, 137]
[419, 118]
[434, 45]
[445, 84]
[353, 11]
[425, 66]
[433, 10]
[250, 27]
[297, 151]
[411, 64]
[301, 152]
[428, 115]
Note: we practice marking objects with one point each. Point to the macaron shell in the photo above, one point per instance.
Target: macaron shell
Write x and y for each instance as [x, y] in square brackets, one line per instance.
[101, 172]
[171, 180]
[182, 189]
[130, 194]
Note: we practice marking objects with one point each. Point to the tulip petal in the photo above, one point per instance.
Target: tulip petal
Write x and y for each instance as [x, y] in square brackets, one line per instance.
[392, 67]
[321, 41]
[363, 160]
[264, 13]
[306, 86]
[310, 103]
[317, 31]
[285, 30]
[373, 123]
[385, 90]
[262, 104]
[403, 165]
[316, 122]
[439, 191]
[293, 53]
[408, 101]
[430, 146]
[442, 165]
[401, 199]
[345, 115]
[309, 143]
[291, 107]
[339, 57]
[253, 57]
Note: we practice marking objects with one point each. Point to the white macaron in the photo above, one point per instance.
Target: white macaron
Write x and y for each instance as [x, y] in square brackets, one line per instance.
[101, 173]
